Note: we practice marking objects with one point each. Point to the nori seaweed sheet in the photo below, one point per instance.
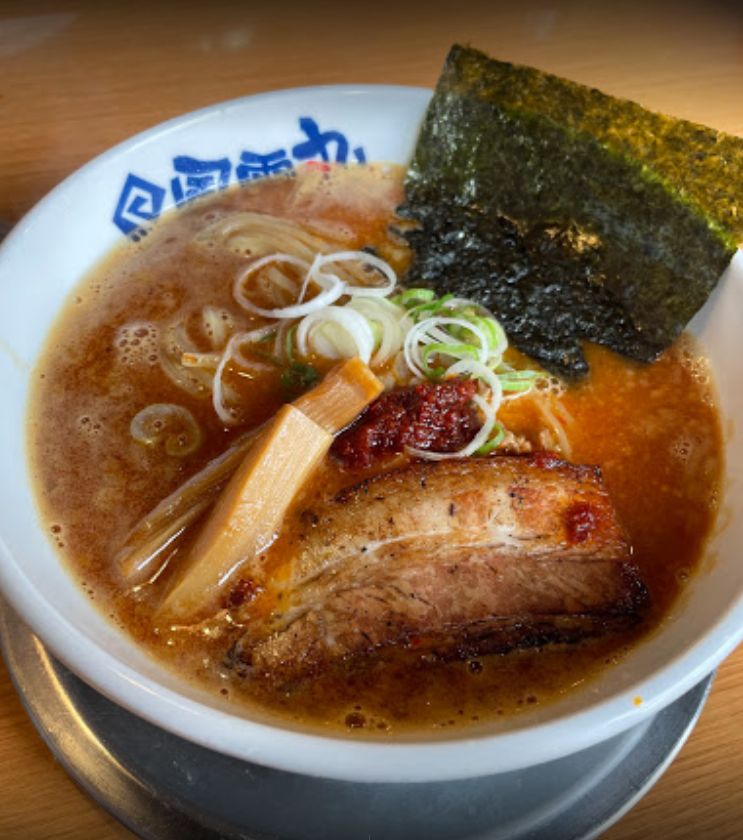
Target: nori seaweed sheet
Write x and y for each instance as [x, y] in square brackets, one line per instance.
[572, 215]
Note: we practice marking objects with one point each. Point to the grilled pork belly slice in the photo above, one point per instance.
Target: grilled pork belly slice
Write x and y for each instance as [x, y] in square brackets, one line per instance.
[456, 558]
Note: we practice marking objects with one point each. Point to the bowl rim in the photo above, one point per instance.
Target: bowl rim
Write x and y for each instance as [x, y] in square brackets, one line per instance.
[333, 755]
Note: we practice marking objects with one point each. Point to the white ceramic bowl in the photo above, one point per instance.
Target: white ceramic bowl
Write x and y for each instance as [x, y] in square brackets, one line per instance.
[78, 223]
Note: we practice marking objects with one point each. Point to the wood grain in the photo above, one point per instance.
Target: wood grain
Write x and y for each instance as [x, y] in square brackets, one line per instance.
[76, 78]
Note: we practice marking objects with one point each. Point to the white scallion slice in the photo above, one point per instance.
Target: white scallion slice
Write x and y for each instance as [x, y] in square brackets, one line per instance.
[389, 324]
[319, 332]
[432, 331]
[217, 324]
[232, 352]
[331, 289]
[172, 425]
[252, 337]
[368, 259]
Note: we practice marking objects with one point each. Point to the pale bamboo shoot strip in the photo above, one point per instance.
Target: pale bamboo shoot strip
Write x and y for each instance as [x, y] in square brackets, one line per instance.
[338, 400]
[139, 556]
[247, 515]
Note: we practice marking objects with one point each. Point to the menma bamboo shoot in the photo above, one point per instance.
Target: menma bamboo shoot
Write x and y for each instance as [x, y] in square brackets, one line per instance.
[248, 514]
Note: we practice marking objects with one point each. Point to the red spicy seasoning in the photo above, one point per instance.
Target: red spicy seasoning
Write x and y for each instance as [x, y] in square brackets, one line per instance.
[580, 522]
[436, 416]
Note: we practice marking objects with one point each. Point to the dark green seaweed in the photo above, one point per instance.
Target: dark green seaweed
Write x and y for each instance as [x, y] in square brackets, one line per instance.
[572, 215]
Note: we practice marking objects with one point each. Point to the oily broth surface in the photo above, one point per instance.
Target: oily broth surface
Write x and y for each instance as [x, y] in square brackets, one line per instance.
[99, 369]
[653, 429]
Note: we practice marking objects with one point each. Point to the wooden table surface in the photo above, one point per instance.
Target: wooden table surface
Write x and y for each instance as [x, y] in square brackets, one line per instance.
[76, 78]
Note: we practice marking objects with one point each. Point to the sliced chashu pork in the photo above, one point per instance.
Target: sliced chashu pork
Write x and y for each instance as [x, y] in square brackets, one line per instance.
[456, 558]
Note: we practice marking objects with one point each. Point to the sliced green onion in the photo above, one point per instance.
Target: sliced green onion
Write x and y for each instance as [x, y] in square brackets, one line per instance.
[494, 442]
[412, 297]
[298, 378]
[454, 350]
[289, 343]
[519, 381]
[438, 330]
[433, 307]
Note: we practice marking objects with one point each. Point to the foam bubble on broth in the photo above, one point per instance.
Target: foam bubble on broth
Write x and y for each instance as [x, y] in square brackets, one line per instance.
[138, 343]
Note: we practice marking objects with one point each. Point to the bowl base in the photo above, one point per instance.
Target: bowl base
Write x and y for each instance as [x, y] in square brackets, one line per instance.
[161, 786]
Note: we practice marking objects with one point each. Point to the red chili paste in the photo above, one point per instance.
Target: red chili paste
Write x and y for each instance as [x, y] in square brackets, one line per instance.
[436, 416]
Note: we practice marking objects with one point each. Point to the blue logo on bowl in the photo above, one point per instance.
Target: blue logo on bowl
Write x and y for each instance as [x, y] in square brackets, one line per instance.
[141, 201]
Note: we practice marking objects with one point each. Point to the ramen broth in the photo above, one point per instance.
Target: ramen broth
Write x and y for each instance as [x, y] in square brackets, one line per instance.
[653, 429]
